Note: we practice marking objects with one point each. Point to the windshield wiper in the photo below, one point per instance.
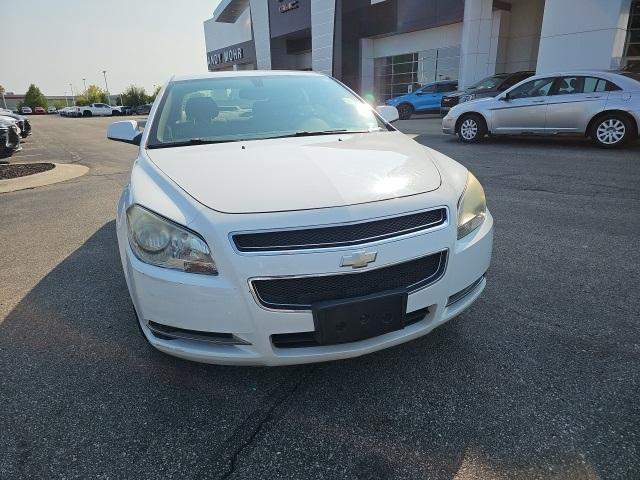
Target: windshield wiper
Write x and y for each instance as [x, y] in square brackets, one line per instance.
[304, 133]
[191, 141]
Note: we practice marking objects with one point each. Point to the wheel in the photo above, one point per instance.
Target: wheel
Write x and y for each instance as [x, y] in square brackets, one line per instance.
[472, 128]
[611, 131]
[405, 111]
[86, 113]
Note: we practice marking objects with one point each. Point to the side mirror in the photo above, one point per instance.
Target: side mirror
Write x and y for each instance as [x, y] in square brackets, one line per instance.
[126, 131]
[505, 97]
[388, 113]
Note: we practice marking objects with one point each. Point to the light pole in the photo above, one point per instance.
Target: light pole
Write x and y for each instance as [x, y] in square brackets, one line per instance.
[66, 98]
[84, 80]
[104, 72]
[72, 96]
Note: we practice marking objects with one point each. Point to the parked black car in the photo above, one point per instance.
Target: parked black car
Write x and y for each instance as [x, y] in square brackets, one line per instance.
[143, 109]
[23, 122]
[9, 138]
[487, 87]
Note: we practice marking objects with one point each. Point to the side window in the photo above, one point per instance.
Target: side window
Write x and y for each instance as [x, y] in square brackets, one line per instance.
[534, 88]
[428, 89]
[570, 85]
[592, 85]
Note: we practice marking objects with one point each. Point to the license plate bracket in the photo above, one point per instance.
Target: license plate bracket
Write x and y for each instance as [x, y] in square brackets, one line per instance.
[353, 319]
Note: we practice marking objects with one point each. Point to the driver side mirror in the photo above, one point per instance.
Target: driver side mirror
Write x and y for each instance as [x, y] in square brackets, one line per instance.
[388, 113]
[505, 98]
[126, 131]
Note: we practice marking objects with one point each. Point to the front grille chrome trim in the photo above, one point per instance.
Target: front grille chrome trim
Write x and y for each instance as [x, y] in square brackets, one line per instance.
[413, 288]
[442, 222]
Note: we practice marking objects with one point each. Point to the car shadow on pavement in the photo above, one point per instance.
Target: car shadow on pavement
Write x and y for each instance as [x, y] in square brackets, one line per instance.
[84, 396]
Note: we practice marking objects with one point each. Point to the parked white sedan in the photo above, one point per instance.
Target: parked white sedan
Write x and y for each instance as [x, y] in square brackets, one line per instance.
[604, 106]
[307, 229]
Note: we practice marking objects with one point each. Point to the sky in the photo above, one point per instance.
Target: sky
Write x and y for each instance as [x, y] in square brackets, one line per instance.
[142, 42]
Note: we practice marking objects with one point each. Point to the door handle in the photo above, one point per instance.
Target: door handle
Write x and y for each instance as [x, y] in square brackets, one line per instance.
[593, 96]
[537, 101]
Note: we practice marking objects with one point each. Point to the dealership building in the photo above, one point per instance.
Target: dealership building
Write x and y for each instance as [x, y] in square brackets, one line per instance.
[383, 48]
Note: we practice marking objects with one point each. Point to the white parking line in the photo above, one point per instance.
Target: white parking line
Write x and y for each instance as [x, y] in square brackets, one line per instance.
[29, 155]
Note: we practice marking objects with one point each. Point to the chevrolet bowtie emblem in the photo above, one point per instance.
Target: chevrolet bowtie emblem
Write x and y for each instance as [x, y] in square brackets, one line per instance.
[358, 259]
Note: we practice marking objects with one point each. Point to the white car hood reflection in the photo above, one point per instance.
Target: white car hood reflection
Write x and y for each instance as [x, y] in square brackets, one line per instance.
[300, 173]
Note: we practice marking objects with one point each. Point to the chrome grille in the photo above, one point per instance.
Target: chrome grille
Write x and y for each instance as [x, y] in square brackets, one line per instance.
[339, 235]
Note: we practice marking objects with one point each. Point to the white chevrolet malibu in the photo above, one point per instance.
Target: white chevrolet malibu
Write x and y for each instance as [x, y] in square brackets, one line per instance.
[275, 218]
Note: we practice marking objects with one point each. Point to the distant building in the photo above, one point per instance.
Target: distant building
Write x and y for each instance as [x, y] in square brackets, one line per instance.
[12, 99]
[385, 47]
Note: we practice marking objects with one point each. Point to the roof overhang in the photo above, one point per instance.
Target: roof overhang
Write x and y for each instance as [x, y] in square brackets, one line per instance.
[228, 11]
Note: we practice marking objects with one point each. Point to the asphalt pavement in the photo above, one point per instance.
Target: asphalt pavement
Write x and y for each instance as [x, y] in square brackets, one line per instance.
[539, 379]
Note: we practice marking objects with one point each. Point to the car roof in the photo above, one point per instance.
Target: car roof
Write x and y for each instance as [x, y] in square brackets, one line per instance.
[612, 75]
[245, 73]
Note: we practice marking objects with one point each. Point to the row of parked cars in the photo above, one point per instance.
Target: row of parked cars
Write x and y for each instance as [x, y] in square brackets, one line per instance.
[104, 110]
[13, 128]
[36, 110]
[92, 110]
[602, 105]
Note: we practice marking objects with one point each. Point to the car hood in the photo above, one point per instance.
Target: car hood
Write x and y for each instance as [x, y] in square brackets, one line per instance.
[300, 173]
[7, 120]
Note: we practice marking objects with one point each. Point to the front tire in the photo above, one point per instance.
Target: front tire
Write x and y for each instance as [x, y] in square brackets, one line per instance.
[87, 113]
[472, 128]
[611, 131]
[405, 111]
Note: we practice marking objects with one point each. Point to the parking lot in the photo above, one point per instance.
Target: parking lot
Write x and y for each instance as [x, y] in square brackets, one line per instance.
[539, 379]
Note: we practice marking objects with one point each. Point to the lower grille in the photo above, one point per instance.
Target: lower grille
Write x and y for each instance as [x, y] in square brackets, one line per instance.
[299, 293]
[450, 101]
[456, 297]
[166, 332]
[308, 339]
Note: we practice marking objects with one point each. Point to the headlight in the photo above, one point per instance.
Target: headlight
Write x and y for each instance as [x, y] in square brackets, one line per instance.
[160, 242]
[467, 98]
[472, 207]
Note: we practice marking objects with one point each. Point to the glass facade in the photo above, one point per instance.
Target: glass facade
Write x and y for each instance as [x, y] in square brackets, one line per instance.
[399, 74]
[632, 48]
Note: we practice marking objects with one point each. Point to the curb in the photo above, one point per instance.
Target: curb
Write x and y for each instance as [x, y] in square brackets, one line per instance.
[60, 173]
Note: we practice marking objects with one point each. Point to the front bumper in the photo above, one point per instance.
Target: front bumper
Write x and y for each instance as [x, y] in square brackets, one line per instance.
[225, 304]
[449, 125]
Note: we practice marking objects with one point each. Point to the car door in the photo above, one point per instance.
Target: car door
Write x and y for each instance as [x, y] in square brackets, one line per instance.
[427, 98]
[574, 101]
[522, 109]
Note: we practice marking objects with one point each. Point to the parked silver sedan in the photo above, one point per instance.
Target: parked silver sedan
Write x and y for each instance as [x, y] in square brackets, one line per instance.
[604, 106]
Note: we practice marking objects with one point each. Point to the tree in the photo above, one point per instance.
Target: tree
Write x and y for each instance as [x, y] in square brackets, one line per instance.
[59, 104]
[34, 98]
[155, 93]
[93, 94]
[2, 90]
[134, 96]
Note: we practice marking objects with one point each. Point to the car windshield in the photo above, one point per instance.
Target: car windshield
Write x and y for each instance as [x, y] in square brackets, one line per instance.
[257, 107]
[489, 83]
